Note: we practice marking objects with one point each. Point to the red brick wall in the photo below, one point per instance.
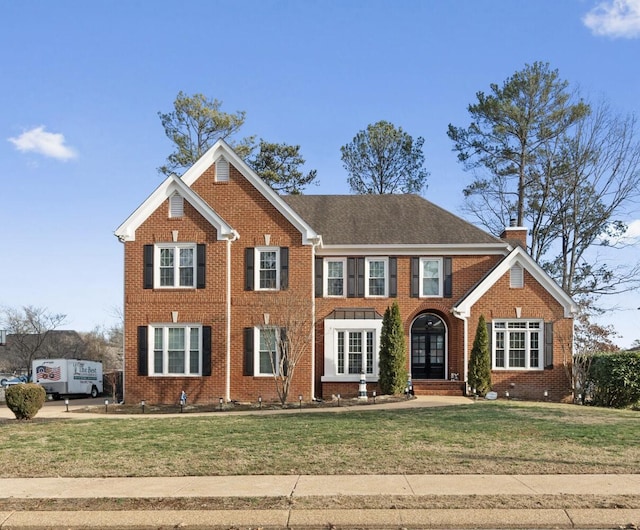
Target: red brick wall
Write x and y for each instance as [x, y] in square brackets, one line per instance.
[252, 216]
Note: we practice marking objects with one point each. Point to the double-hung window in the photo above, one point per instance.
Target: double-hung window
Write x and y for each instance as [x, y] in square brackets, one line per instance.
[430, 277]
[267, 268]
[334, 276]
[176, 265]
[267, 352]
[376, 277]
[517, 344]
[176, 350]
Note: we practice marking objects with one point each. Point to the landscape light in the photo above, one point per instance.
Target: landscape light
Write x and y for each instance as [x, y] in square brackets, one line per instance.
[221, 402]
[106, 406]
[142, 404]
[300, 400]
[260, 402]
[66, 403]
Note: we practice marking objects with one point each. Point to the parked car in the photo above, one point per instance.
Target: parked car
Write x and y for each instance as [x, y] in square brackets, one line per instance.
[17, 380]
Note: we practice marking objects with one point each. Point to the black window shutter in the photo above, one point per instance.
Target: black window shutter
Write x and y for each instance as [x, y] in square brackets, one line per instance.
[548, 344]
[284, 268]
[360, 277]
[490, 336]
[415, 277]
[351, 277]
[148, 267]
[202, 266]
[393, 277]
[143, 350]
[448, 278]
[319, 279]
[248, 268]
[248, 351]
[284, 351]
[206, 350]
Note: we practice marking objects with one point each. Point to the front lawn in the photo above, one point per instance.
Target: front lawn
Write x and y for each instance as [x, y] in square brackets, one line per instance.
[483, 437]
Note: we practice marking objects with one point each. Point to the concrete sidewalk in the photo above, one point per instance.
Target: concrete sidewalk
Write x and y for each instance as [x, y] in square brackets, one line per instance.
[299, 486]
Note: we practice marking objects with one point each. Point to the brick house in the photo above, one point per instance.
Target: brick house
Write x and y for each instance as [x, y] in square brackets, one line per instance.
[214, 259]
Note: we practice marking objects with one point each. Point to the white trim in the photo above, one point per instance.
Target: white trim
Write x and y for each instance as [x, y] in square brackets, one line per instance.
[221, 148]
[517, 255]
[331, 328]
[127, 230]
[256, 268]
[516, 276]
[176, 265]
[446, 344]
[440, 262]
[325, 277]
[506, 330]
[256, 350]
[222, 170]
[165, 348]
[176, 205]
[367, 277]
[497, 249]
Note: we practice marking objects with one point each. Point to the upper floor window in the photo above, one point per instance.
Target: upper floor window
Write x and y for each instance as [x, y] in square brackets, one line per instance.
[517, 344]
[176, 350]
[431, 277]
[266, 268]
[376, 277]
[176, 265]
[334, 279]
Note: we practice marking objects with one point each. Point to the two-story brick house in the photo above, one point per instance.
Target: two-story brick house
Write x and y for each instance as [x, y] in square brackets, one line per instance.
[213, 260]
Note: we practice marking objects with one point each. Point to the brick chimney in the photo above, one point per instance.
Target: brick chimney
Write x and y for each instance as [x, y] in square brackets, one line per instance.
[515, 235]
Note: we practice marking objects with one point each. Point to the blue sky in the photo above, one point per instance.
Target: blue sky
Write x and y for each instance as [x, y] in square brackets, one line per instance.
[80, 138]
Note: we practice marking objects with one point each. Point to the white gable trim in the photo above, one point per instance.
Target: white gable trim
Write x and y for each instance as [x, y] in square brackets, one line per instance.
[127, 230]
[517, 255]
[221, 148]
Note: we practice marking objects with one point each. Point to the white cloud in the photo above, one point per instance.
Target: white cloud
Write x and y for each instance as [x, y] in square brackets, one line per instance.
[38, 140]
[615, 18]
[633, 230]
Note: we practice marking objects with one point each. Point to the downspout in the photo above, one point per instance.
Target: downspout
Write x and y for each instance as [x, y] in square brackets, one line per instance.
[227, 375]
[124, 320]
[316, 243]
[465, 357]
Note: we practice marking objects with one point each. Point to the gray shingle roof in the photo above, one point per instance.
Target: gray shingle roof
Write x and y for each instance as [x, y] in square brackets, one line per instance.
[384, 219]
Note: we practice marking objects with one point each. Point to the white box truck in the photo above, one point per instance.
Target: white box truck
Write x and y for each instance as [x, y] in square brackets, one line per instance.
[68, 377]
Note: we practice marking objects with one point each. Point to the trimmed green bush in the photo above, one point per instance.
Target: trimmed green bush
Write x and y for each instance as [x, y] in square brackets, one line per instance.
[480, 360]
[25, 400]
[393, 353]
[614, 379]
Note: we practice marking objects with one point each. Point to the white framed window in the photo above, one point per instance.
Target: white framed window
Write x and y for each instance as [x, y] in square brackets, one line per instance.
[175, 265]
[176, 205]
[175, 350]
[517, 345]
[376, 275]
[431, 277]
[516, 276]
[351, 347]
[267, 351]
[355, 352]
[334, 272]
[267, 268]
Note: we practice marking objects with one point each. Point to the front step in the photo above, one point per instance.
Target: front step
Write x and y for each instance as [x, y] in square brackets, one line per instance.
[437, 387]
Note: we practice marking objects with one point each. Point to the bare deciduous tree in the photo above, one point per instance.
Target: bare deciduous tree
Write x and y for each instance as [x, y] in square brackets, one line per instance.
[289, 325]
[28, 328]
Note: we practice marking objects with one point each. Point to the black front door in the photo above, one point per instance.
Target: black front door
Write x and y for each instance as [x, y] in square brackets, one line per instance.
[427, 348]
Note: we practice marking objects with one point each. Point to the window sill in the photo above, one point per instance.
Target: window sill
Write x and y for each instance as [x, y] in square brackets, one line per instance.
[351, 378]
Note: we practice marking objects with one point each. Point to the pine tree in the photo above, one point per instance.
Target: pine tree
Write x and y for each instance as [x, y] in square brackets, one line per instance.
[480, 361]
[393, 353]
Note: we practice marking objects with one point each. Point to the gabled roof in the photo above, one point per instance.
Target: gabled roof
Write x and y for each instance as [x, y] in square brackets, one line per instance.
[520, 256]
[386, 220]
[221, 148]
[127, 230]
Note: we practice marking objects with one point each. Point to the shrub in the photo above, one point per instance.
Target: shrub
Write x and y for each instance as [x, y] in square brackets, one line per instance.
[393, 353]
[25, 400]
[615, 379]
[480, 360]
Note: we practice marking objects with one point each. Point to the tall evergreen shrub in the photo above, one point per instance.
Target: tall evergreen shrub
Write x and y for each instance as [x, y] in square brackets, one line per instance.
[480, 361]
[393, 353]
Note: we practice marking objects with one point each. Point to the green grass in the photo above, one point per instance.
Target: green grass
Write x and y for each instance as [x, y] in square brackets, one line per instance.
[484, 437]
